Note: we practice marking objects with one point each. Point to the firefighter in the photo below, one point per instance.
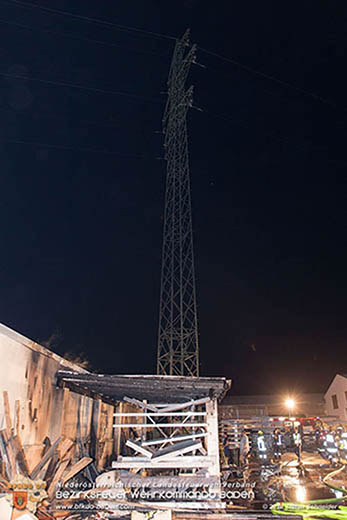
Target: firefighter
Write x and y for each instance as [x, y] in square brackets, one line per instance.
[277, 444]
[319, 436]
[244, 448]
[226, 448]
[330, 446]
[261, 446]
[297, 443]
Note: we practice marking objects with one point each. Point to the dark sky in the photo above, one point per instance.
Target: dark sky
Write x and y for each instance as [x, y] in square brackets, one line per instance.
[81, 231]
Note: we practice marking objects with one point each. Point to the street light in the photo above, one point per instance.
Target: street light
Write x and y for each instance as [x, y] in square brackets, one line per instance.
[290, 403]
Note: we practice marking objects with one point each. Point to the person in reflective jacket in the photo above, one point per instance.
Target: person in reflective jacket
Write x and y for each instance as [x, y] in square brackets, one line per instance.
[330, 445]
[297, 443]
[261, 446]
[277, 444]
[342, 446]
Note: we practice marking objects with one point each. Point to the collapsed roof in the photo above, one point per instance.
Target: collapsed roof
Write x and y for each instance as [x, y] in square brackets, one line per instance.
[154, 389]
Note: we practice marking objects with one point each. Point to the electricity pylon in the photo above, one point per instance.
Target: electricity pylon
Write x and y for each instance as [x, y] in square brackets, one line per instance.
[178, 347]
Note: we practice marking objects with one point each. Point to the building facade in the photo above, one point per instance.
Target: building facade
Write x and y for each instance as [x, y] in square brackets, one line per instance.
[35, 408]
[336, 397]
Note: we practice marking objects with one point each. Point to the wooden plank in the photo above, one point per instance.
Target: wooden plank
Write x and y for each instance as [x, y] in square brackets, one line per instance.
[65, 412]
[6, 455]
[106, 450]
[7, 413]
[17, 416]
[140, 404]
[177, 438]
[117, 432]
[12, 469]
[76, 468]
[177, 449]
[57, 477]
[147, 452]
[161, 425]
[45, 459]
[19, 454]
[64, 447]
[47, 474]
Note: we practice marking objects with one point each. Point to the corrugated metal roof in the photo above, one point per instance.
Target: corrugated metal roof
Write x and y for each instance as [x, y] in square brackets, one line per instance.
[155, 389]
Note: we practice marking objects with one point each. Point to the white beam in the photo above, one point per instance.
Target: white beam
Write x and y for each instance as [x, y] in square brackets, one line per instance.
[162, 425]
[177, 449]
[139, 448]
[196, 402]
[177, 462]
[177, 438]
[160, 414]
[140, 404]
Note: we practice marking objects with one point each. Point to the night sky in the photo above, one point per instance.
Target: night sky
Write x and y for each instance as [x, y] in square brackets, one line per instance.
[81, 230]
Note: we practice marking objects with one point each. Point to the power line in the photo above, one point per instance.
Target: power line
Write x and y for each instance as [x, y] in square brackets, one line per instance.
[79, 87]
[73, 148]
[125, 28]
[79, 38]
[270, 77]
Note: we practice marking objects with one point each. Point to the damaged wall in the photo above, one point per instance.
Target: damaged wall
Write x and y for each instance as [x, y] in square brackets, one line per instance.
[27, 373]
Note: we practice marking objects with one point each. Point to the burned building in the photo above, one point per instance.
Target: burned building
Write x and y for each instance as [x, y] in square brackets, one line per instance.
[57, 419]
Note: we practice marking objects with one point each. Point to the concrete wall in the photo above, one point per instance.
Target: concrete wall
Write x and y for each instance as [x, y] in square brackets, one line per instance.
[337, 388]
[27, 374]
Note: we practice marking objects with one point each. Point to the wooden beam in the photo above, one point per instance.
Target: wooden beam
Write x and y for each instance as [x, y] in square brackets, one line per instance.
[17, 416]
[117, 432]
[7, 413]
[45, 459]
[64, 447]
[66, 398]
[76, 468]
[19, 454]
[57, 477]
[8, 453]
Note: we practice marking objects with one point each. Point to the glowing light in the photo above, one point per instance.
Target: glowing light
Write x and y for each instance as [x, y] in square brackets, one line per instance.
[300, 494]
[290, 403]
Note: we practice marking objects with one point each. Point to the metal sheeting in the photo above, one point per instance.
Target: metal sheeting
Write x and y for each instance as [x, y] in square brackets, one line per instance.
[155, 389]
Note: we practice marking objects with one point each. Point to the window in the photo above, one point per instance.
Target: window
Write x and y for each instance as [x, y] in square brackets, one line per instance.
[346, 395]
[334, 400]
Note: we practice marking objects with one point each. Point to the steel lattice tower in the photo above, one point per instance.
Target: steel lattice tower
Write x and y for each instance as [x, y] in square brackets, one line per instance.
[178, 347]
